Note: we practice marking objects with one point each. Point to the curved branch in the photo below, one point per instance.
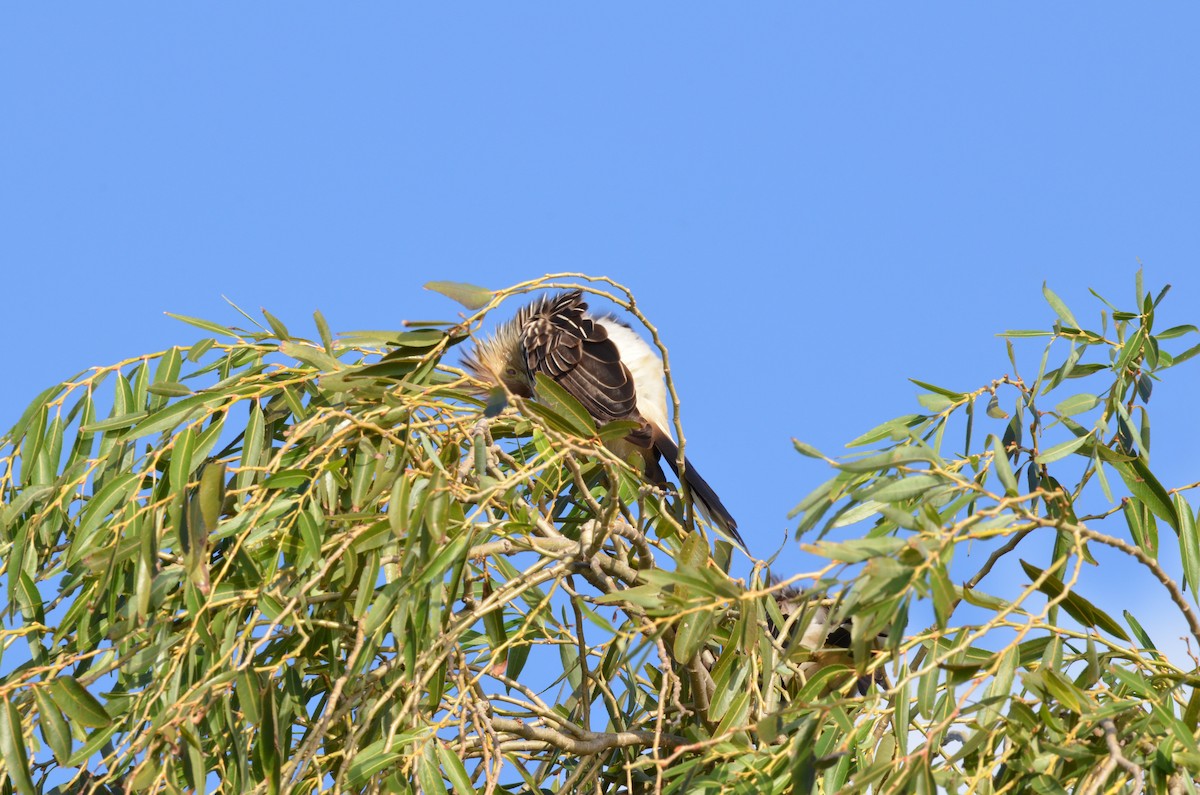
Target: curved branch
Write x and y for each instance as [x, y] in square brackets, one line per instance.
[587, 742]
[1150, 563]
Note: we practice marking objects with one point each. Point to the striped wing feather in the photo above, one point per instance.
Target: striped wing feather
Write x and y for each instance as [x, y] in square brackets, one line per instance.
[563, 343]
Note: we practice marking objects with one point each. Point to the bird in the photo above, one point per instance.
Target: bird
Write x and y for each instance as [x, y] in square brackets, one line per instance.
[606, 366]
[808, 627]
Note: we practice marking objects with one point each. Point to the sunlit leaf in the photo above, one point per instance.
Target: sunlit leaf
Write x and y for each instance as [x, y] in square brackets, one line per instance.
[77, 703]
[1061, 450]
[12, 750]
[1189, 543]
[468, 295]
[1077, 404]
[1146, 488]
[1059, 307]
[1080, 608]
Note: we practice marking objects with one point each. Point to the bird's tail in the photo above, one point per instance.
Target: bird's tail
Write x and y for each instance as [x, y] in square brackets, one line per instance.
[702, 493]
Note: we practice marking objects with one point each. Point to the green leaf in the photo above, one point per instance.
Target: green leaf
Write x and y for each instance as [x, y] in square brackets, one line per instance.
[323, 331]
[310, 534]
[950, 393]
[53, 726]
[881, 579]
[1076, 404]
[1003, 468]
[979, 598]
[935, 402]
[201, 347]
[94, 742]
[446, 556]
[1131, 350]
[267, 742]
[77, 703]
[207, 325]
[314, 357]
[1143, 528]
[1000, 687]
[276, 325]
[252, 444]
[899, 457]
[905, 488]
[1188, 354]
[1189, 543]
[101, 505]
[429, 772]
[113, 423]
[562, 410]
[169, 389]
[468, 295]
[1078, 607]
[497, 634]
[1142, 636]
[211, 493]
[691, 633]
[854, 513]
[1059, 307]
[1063, 690]
[1026, 333]
[12, 749]
[1146, 488]
[173, 414]
[618, 429]
[736, 714]
[806, 449]
[1177, 331]
[181, 459]
[944, 596]
[288, 478]
[167, 373]
[1063, 449]
[897, 428]
[413, 343]
[453, 769]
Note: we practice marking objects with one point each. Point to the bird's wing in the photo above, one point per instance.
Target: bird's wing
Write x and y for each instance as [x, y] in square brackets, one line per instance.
[562, 342]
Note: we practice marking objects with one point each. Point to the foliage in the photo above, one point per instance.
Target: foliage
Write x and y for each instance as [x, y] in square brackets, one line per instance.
[267, 564]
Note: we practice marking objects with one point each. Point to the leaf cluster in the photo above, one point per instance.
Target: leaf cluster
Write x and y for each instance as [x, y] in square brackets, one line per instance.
[263, 563]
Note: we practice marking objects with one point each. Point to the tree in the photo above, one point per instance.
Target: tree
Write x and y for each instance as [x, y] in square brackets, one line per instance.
[261, 563]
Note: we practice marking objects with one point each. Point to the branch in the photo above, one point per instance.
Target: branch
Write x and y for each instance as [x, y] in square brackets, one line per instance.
[587, 742]
[1172, 587]
[1116, 758]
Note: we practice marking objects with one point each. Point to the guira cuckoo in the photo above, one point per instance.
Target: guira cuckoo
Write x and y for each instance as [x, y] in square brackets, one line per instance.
[828, 643]
[608, 368]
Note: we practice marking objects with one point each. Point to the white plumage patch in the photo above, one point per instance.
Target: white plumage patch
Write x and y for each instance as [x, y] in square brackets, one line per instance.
[646, 369]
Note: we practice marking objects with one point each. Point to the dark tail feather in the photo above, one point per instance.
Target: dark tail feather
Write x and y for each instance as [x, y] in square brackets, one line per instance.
[701, 492]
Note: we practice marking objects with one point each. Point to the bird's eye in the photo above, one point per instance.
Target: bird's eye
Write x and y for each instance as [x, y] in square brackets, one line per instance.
[511, 371]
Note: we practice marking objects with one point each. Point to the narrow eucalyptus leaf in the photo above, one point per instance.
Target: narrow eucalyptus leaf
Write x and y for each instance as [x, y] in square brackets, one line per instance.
[77, 703]
[1077, 405]
[1003, 468]
[53, 726]
[1059, 307]
[12, 749]
[207, 325]
[1189, 543]
[1061, 450]
[468, 295]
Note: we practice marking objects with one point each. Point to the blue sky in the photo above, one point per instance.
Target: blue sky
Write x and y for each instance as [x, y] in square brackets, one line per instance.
[813, 202]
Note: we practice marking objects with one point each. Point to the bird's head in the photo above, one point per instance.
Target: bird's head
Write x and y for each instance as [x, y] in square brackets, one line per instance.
[499, 359]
